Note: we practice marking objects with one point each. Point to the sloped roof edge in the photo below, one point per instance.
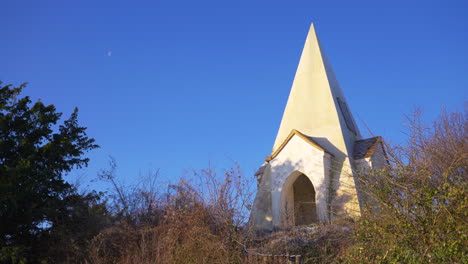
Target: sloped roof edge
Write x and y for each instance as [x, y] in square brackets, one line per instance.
[294, 132]
[364, 148]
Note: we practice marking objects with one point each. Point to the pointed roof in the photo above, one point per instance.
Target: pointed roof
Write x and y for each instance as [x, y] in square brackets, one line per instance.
[307, 139]
[316, 105]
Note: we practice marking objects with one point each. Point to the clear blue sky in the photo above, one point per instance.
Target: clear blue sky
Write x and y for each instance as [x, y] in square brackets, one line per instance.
[177, 84]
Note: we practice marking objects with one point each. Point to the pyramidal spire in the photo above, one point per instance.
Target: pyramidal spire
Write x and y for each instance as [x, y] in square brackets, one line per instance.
[316, 106]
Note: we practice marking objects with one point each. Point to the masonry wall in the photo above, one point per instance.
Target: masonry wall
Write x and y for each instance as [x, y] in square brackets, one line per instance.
[273, 206]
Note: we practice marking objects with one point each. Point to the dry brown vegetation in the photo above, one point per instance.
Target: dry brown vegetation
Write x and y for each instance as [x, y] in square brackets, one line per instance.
[197, 221]
[321, 243]
[417, 207]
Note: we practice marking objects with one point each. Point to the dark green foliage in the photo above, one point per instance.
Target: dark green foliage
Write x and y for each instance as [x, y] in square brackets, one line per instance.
[35, 152]
[77, 220]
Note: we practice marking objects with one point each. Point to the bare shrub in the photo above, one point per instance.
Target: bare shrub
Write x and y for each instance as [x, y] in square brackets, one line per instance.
[417, 207]
[198, 221]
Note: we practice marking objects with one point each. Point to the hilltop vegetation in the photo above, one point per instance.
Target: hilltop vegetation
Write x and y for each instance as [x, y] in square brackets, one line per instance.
[415, 211]
[417, 208]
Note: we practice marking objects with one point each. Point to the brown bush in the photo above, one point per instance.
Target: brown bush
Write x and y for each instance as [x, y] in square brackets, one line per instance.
[418, 206]
[202, 221]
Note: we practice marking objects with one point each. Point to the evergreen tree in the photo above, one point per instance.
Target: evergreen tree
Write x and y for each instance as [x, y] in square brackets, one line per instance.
[35, 153]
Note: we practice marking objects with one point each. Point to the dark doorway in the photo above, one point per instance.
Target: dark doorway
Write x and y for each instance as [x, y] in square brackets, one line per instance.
[305, 211]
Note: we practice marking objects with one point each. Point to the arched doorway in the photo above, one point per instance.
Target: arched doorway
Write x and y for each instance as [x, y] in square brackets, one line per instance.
[305, 210]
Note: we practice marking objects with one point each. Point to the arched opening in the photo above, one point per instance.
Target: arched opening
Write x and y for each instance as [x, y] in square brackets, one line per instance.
[298, 204]
[305, 210]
